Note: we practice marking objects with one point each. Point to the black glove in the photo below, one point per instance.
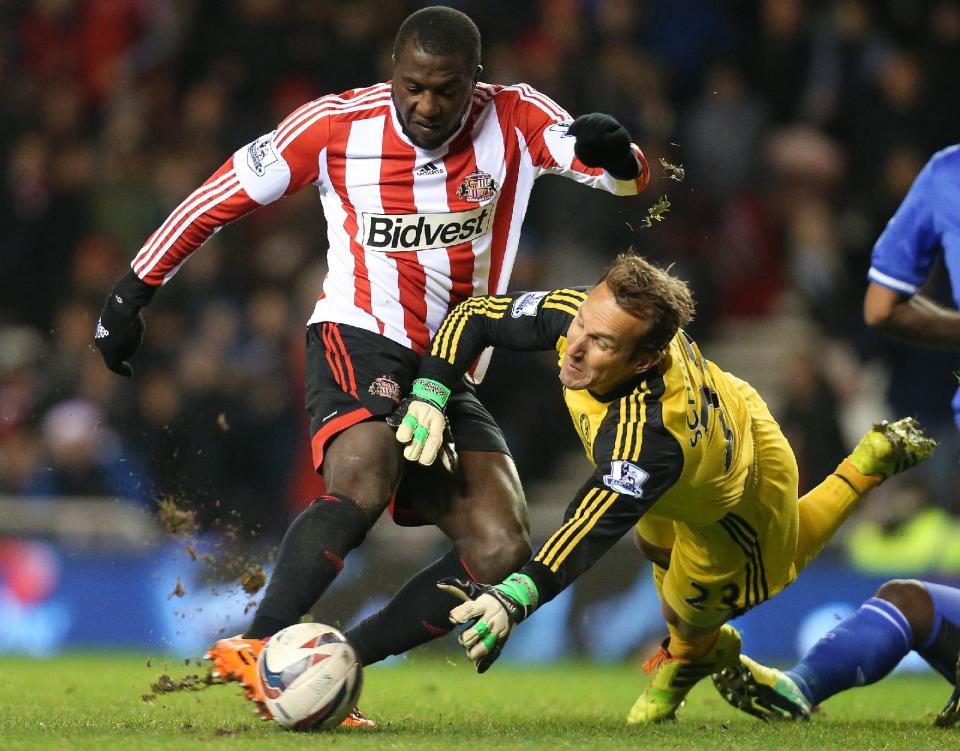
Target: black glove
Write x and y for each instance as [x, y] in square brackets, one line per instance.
[604, 142]
[121, 326]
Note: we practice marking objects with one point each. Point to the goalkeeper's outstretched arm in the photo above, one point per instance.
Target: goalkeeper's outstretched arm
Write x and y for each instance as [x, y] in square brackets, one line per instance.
[526, 321]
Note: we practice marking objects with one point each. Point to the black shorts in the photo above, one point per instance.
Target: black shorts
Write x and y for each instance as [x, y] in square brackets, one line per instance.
[354, 375]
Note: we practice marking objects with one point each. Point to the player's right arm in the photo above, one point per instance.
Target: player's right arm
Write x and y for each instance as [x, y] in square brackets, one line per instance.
[926, 221]
[593, 149]
[274, 165]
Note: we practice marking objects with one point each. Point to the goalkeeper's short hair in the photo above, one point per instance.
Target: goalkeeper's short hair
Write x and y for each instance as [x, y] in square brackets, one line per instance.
[651, 294]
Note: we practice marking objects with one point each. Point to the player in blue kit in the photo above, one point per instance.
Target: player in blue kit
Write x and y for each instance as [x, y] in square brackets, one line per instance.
[926, 223]
[905, 615]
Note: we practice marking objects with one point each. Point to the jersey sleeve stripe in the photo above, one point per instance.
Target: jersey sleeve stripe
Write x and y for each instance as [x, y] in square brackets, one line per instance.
[445, 341]
[555, 110]
[640, 403]
[441, 342]
[224, 182]
[594, 517]
[632, 428]
[228, 189]
[558, 306]
[489, 308]
[536, 102]
[569, 295]
[594, 498]
[618, 442]
[888, 281]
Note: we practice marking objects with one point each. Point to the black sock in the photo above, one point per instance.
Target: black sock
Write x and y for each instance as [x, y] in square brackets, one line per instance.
[311, 555]
[418, 612]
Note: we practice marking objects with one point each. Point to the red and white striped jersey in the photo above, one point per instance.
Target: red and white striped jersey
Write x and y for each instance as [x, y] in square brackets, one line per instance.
[411, 232]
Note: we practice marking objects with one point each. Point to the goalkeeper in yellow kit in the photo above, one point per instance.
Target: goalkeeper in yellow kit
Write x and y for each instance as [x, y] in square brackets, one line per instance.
[684, 452]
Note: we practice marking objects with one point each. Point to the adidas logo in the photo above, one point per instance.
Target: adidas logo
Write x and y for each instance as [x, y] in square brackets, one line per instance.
[101, 331]
[430, 168]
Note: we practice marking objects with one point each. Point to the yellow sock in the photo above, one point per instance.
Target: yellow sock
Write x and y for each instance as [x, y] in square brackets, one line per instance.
[691, 649]
[827, 506]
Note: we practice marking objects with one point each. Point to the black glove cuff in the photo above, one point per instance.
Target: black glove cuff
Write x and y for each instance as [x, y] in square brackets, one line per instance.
[130, 294]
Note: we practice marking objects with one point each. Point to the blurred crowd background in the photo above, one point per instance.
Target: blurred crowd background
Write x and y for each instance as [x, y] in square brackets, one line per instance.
[799, 124]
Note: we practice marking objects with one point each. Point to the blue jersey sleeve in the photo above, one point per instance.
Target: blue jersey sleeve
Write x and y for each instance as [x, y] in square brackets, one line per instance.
[905, 251]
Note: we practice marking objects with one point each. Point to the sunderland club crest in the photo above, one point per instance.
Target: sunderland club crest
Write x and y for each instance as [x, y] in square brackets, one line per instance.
[477, 186]
[386, 387]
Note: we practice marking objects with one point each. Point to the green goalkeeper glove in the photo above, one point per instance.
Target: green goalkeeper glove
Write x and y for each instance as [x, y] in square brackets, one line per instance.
[422, 425]
[493, 610]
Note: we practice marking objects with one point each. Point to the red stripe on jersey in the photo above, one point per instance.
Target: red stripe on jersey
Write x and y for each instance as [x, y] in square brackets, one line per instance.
[347, 362]
[333, 356]
[460, 162]
[337, 172]
[508, 192]
[396, 197]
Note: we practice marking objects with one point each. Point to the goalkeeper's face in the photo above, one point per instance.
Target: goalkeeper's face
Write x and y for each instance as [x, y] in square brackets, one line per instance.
[431, 94]
[602, 345]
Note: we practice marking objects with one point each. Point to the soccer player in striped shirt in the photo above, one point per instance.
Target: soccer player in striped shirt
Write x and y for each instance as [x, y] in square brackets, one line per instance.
[684, 452]
[424, 181]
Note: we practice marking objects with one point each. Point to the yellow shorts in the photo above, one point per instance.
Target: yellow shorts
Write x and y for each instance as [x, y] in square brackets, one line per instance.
[724, 568]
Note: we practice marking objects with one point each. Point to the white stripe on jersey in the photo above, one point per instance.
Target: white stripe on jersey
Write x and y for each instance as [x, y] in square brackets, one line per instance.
[888, 281]
[218, 191]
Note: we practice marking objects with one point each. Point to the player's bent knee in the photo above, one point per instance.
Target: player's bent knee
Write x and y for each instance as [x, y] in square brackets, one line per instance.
[493, 560]
[909, 596]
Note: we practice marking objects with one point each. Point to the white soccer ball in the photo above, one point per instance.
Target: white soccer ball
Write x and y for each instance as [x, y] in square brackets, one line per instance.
[310, 676]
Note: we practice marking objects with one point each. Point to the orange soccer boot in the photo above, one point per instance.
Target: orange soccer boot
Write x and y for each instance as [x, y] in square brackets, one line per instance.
[235, 659]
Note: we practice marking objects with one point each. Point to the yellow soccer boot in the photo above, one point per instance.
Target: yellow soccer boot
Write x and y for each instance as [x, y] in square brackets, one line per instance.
[892, 447]
[673, 677]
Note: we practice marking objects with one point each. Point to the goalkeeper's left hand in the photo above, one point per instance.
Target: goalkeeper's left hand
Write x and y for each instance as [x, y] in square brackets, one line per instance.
[494, 610]
[422, 425]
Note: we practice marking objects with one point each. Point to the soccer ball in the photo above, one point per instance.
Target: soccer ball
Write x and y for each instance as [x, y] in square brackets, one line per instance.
[310, 676]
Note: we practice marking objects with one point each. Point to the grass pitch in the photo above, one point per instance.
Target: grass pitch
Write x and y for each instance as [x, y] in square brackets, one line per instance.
[94, 702]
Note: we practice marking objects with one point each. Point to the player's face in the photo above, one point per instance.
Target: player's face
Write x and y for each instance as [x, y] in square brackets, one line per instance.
[601, 345]
[431, 94]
